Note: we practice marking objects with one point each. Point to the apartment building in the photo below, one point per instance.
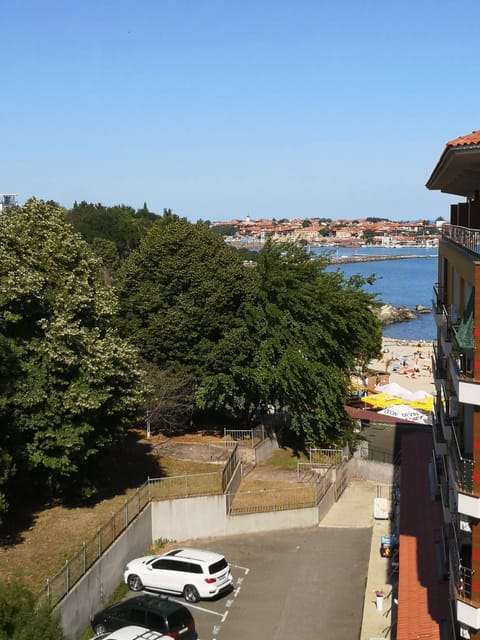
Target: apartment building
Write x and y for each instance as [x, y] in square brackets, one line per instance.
[455, 474]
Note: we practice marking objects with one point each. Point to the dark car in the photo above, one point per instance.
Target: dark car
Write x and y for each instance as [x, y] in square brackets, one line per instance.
[153, 612]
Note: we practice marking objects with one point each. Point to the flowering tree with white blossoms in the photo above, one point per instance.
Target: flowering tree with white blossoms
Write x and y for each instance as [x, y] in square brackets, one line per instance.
[69, 385]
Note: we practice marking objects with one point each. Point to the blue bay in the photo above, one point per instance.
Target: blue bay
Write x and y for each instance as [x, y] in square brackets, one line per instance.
[403, 282]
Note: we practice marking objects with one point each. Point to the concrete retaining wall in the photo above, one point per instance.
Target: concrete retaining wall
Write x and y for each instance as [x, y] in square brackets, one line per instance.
[382, 472]
[266, 448]
[193, 518]
[93, 591]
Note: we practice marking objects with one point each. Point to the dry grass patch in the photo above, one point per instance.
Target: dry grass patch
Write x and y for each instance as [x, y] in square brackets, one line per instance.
[36, 541]
[261, 496]
[285, 458]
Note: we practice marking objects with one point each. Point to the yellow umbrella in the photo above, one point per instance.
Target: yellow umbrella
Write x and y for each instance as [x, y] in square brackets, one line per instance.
[381, 400]
[424, 405]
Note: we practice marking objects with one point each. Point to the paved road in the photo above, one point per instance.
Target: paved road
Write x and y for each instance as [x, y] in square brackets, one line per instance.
[302, 583]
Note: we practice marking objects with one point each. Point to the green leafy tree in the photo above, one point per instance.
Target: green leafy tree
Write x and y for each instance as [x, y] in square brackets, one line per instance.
[119, 224]
[224, 229]
[303, 334]
[75, 385]
[284, 331]
[22, 619]
[107, 251]
[181, 295]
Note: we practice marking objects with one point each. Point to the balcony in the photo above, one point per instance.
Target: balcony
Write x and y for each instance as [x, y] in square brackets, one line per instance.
[446, 318]
[445, 412]
[444, 497]
[467, 389]
[439, 300]
[468, 610]
[439, 441]
[468, 239]
[439, 367]
[460, 577]
[461, 477]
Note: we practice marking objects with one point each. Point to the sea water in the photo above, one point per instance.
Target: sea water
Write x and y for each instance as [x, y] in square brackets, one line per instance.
[406, 282]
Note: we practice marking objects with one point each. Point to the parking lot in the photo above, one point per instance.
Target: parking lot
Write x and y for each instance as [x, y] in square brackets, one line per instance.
[301, 583]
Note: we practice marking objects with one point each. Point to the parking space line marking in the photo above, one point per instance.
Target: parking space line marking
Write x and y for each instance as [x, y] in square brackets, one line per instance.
[214, 613]
[225, 616]
[236, 592]
[237, 566]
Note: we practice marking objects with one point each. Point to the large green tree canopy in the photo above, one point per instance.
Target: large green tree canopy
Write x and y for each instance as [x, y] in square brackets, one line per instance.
[73, 384]
[304, 332]
[182, 296]
[284, 331]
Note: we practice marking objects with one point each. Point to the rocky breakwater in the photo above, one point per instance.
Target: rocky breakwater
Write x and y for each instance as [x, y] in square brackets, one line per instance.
[388, 314]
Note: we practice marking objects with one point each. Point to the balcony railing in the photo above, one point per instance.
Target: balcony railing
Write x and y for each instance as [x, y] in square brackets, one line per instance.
[463, 466]
[439, 431]
[439, 363]
[439, 297]
[447, 316]
[469, 239]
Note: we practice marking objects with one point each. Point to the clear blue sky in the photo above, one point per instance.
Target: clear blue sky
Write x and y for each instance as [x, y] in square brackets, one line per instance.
[220, 109]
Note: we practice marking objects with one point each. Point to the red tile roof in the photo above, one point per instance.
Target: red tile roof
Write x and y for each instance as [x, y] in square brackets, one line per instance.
[422, 598]
[359, 413]
[462, 141]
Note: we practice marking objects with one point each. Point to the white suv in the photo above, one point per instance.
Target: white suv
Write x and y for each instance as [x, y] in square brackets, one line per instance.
[194, 573]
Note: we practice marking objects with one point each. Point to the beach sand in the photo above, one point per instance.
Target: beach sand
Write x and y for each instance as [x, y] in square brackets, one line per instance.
[409, 363]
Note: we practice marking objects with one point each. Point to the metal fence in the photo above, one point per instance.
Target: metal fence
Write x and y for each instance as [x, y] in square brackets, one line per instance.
[244, 437]
[267, 500]
[229, 468]
[320, 461]
[185, 486]
[153, 489]
[306, 471]
[326, 457]
[379, 455]
[272, 500]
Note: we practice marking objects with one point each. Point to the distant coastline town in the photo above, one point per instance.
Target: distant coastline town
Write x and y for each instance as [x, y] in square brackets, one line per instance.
[317, 232]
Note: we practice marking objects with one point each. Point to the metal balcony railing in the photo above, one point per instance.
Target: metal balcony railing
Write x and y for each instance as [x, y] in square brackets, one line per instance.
[463, 465]
[462, 360]
[447, 407]
[439, 363]
[469, 239]
[459, 569]
[450, 318]
[437, 427]
[439, 297]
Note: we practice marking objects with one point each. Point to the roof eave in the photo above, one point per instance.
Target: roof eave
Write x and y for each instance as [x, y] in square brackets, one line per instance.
[457, 172]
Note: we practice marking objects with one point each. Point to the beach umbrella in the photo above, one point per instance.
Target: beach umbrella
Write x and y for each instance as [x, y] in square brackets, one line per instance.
[381, 400]
[394, 389]
[424, 405]
[405, 412]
